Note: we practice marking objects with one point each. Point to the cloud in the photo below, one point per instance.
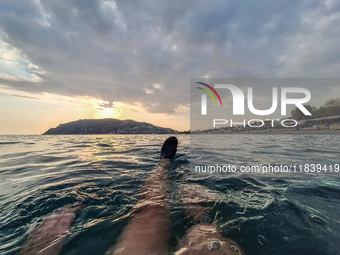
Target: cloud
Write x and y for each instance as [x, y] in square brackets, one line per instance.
[22, 96]
[15, 66]
[146, 52]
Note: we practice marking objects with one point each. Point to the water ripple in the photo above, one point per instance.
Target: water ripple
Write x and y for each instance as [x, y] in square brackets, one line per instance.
[40, 174]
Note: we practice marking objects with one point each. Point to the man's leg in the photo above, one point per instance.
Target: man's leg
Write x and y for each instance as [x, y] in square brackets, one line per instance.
[48, 238]
[149, 231]
[203, 238]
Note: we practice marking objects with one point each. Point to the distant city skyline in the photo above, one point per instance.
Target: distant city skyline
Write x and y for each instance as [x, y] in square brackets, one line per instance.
[64, 61]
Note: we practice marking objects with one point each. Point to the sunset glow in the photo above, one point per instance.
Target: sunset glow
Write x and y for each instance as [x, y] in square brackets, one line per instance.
[105, 110]
[57, 65]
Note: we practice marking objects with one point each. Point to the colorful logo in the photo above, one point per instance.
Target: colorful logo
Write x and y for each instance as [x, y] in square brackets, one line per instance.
[209, 93]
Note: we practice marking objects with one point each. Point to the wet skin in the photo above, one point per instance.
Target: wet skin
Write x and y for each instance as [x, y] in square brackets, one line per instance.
[48, 238]
[205, 238]
[149, 230]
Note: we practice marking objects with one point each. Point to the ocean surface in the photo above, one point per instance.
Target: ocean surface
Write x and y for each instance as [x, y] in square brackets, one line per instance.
[265, 214]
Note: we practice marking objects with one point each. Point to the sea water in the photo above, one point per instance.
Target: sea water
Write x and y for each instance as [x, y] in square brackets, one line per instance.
[264, 213]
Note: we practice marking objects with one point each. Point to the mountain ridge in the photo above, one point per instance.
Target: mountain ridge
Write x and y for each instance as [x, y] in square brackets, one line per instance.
[107, 126]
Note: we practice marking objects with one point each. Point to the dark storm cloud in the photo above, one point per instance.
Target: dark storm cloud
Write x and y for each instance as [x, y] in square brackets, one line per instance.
[117, 51]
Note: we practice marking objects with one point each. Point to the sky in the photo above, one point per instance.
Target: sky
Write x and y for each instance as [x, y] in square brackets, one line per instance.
[81, 59]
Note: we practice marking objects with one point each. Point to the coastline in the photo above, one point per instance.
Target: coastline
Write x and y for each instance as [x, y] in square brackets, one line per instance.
[300, 132]
[280, 132]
